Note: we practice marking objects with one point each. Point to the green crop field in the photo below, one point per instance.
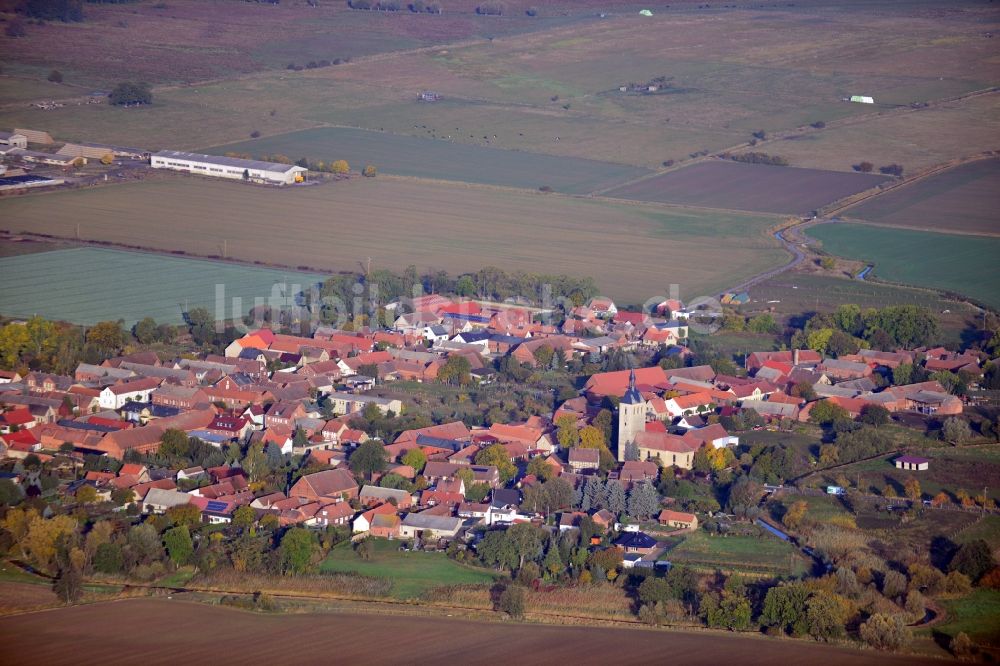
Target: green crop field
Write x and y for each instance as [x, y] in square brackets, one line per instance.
[88, 285]
[632, 251]
[964, 199]
[411, 573]
[440, 159]
[733, 553]
[962, 264]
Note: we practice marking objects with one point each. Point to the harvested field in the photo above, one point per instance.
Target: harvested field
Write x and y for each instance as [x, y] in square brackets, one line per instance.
[105, 632]
[751, 187]
[632, 251]
[88, 285]
[962, 264]
[964, 199]
[440, 159]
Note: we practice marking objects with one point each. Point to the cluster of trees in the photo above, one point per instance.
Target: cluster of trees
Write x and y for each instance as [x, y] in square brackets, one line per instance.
[850, 328]
[760, 158]
[129, 93]
[417, 6]
[763, 323]
[317, 64]
[68, 11]
[382, 286]
[889, 169]
[46, 346]
[491, 9]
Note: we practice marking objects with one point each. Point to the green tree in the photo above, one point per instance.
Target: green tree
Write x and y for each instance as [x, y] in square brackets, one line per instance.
[86, 494]
[974, 559]
[553, 562]
[174, 443]
[525, 541]
[255, 462]
[416, 459]
[875, 415]
[567, 434]
[497, 456]
[129, 93]
[108, 558]
[370, 457]
[298, 546]
[540, 469]
[825, 412]
[146, 331]
[179, 545]
[244, 518]
[784, 608]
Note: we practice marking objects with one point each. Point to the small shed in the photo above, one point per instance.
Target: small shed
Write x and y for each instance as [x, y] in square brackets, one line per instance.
[912, 463]
[862, 99]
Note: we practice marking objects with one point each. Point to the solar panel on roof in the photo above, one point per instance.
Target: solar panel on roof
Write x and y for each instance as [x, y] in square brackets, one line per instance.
[214, 505]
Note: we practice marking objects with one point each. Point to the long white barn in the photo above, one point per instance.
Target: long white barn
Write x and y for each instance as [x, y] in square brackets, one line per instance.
[228, 167]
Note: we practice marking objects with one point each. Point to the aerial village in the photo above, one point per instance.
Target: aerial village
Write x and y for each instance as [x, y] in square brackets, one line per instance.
[278, 397]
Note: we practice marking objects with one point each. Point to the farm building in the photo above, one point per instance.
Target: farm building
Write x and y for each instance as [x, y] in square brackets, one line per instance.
[229, 167]
[13, 140]
[35, 136]
[862, 99]
[97, 151]
[48, 158]
[912, 463]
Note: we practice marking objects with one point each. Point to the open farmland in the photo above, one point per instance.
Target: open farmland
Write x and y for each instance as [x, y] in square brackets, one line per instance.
[964, 199]
[105, 632]
[88, 285]
[962, 264]
[440, 159]
[632, 251]
[549, 84]
[411, 573]
[752, 187]
[916, 139]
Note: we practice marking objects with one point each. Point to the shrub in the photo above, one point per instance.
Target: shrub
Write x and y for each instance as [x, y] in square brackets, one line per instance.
[531, 11]
[819, 124]
[892, 170]
[864, 167]
[55, 76]
[131, 94]
[885, 632]
[513, 601]
[255, 134]
[490, 9]
[760, 158]
[369, 171]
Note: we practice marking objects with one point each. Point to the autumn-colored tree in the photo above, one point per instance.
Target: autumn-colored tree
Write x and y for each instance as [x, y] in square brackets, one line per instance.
[591, 438]
[567, 434]
[940, 499]
[86, 494]
[40, 542]
[107, 337]
[369, 171]
[107, 159]
[340, 167]
[795, 514]
[912, 489]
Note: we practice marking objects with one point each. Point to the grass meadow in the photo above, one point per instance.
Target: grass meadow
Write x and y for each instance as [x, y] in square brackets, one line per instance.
[962, 264]
[411, 573]
[764, 554]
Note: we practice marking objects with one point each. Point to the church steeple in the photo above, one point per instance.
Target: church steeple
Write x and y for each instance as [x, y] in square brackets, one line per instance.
[632, 395]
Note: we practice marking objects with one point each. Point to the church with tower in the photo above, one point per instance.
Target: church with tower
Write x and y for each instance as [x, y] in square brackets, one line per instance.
[631, 416]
